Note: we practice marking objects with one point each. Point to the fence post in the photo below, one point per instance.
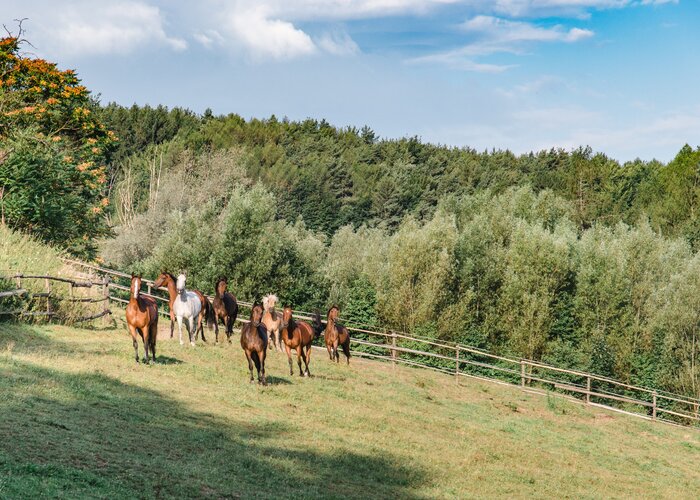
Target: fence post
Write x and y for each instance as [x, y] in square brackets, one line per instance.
[105, 298]
[48, 298]
[457, 365]
[393, 348]
[588, 390]
[18, 278]
[522, 373]
[149, 289]
[653, 402]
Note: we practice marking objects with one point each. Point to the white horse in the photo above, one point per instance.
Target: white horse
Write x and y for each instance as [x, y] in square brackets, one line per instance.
[272, 320]
[187, 305]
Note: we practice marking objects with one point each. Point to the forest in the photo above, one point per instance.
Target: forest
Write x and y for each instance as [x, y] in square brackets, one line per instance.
[569, 257]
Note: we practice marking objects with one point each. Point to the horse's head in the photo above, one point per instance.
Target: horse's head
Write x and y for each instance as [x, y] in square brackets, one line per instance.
[256, 314]
[162, 279]
[318, 325]
[220, 287]
[181, 283]
[135, 285]
[333, 313]
[269, 302]
[286, 316]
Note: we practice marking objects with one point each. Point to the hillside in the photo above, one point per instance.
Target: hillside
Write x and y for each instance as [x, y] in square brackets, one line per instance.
[80, 418]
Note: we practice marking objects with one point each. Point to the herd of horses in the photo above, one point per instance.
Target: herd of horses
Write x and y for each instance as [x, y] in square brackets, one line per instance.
[265, 329]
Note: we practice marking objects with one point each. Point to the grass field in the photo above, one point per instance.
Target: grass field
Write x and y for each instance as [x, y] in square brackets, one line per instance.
[78, 418]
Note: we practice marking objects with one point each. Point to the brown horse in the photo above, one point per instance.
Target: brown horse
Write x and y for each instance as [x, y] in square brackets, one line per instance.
[142, 319]
[254, 343]
[225, 308]
[335, 335]
[206, 313]
[297, 335]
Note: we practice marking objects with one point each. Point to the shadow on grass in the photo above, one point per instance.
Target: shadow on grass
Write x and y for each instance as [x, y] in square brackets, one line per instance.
[75, 435]
[167, 360]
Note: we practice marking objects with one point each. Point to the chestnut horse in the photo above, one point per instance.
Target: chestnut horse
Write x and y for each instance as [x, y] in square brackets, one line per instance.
[297, 335]
[335, 335]
[254, 343]
[272, 320]
[205, 311]
[225, 308]
[142, 319]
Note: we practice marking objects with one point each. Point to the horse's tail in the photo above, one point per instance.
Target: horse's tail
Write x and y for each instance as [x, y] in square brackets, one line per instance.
[210, 313]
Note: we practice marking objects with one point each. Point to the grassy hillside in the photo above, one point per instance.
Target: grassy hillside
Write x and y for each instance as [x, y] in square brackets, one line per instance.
[79, 418]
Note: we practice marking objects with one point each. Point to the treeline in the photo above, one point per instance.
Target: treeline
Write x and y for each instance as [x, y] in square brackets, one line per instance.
[333, 177]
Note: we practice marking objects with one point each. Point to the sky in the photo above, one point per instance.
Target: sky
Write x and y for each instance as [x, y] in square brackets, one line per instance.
[621, 76]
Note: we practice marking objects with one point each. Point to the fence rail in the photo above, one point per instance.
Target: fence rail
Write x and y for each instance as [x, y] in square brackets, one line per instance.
[462, 361]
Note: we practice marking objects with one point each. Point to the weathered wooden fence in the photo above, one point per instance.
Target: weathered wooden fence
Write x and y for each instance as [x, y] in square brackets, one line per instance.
[461, 361]
[43, 303]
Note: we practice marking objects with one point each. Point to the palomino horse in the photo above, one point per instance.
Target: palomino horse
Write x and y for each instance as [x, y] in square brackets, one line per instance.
[142, 319]
[183, 304]
[205, 310]
[335, 335]
[254, 343]
[225, 308]
[272, 320]
[297, 335]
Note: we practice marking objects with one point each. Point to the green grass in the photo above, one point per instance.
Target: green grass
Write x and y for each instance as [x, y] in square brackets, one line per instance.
[78, 418]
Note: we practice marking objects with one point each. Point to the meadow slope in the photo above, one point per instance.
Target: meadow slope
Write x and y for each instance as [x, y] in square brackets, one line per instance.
[78, 418]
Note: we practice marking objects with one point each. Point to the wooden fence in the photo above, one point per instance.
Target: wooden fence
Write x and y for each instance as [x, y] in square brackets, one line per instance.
[461, 361]
[44, 303]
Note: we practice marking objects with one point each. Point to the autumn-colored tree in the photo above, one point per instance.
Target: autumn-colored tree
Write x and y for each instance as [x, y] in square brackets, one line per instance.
[53, 152]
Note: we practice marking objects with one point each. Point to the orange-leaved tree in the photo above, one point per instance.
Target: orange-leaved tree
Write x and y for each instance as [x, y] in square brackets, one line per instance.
[53, 152]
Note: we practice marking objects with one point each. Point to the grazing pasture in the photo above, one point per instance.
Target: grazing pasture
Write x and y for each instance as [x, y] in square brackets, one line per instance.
[79, 418]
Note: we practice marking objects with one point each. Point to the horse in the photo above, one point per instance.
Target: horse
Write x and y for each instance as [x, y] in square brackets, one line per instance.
[254, 343]
[142, 319]
[335, 335]
[272, 320]
[319, 327]
[183, 304]
[225, 308]
[205, 310]
[297, 335]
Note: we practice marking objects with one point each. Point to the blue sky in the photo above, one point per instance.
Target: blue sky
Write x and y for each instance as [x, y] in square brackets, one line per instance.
[619, 75]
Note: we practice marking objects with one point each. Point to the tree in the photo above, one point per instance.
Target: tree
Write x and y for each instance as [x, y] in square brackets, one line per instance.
[53, 152]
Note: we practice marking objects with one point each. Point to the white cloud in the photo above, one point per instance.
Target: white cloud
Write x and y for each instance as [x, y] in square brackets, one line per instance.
[491, 35]
[338, 43]
[90, 28]
[209, 38]
[266, 37]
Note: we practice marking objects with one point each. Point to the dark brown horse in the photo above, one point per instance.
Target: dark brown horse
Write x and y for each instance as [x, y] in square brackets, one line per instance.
[225, 308]
[254, 343]
[297, 335]
[336, 335]
[206, 313]
[142, 319]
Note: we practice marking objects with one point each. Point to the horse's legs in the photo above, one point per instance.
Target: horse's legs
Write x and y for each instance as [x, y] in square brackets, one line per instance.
[152, 335]
[307, 358]
[229, 327]
[346, 351]
[172, 323]
[250, 365]
[134, 337]
[191, 329]
[179, 328]
[200, 324]
[301, 372]
[335, 352]
[289, 359]
[263, 355]
[146, 344]
[329, 347]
